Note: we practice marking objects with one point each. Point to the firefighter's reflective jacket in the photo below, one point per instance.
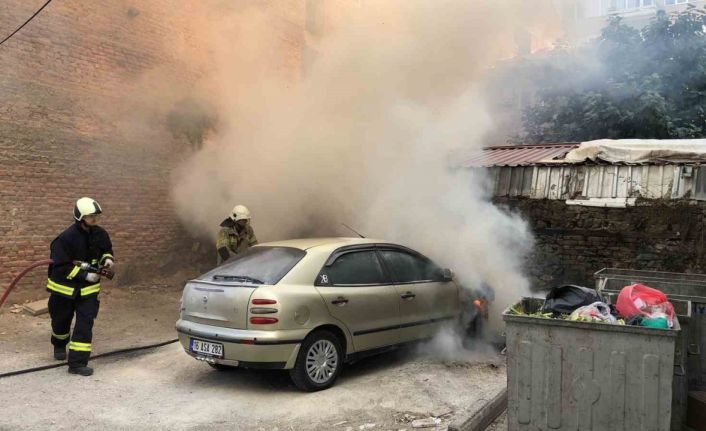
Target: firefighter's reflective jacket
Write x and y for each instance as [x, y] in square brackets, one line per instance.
[231, 241]
[76, 244]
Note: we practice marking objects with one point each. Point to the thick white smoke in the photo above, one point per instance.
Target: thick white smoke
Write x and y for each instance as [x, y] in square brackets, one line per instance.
[363, 135]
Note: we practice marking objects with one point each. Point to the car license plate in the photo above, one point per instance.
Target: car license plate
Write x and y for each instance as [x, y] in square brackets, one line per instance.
[206, 348]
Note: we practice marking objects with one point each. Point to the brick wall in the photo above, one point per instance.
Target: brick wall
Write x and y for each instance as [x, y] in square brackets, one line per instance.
[78, 118]
[573, 242]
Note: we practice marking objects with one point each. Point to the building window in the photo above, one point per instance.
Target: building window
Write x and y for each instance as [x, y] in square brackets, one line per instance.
[621, 5]
[672, 2]
[700, 183]
[595, 8]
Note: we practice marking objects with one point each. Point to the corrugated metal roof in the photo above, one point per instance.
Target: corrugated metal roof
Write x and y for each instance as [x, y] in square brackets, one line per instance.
[515, 155]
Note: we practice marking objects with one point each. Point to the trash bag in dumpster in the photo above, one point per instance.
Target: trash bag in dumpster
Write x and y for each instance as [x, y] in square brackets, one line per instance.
[659, 321]
[596, 312]
[638, 299]
[566, 299]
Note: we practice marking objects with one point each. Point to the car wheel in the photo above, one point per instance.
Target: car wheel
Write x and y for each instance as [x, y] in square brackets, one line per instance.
[472, 333]
[221, 367]
[318, 363]
[475, 327]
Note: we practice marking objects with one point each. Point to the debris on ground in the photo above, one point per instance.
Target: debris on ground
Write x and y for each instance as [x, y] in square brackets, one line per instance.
[16, 308]
[37, 307]
[338, 424]
[459, 364]
[440, 413]
[429, 422]
[405, 418]
[367, 426]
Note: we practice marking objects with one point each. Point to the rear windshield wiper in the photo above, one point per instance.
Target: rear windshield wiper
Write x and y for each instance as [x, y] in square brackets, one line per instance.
[237, 278]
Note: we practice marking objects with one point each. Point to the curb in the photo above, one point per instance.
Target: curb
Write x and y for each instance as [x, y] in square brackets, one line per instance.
[481, 414]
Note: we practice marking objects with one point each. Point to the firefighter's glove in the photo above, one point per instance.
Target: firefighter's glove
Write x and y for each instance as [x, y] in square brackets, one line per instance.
[108, 263]
[92, 277]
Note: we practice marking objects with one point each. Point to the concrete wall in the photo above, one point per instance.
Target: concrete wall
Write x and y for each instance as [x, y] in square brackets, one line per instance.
[573, 242]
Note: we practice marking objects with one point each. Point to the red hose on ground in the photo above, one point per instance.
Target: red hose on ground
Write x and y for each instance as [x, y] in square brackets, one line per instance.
[19, 277]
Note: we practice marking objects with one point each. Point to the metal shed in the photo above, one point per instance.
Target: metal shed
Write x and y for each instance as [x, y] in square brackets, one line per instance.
[540, 172]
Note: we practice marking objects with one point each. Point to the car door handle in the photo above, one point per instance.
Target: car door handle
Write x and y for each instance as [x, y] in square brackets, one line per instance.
[340, 301]
[408, 295]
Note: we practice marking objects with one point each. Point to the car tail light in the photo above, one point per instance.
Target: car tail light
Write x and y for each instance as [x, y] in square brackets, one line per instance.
[482, 306]
[263, 301]
[263, 320]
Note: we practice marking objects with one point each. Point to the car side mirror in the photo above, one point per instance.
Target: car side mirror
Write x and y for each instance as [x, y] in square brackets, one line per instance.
[447, 274]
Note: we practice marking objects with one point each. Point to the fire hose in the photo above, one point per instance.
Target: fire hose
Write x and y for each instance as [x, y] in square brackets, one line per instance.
[101, 355]
[19, 277]
[104, 271]
[61, 364]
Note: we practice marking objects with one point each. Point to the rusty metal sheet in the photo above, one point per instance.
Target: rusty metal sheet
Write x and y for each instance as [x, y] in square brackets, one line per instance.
[516, 155]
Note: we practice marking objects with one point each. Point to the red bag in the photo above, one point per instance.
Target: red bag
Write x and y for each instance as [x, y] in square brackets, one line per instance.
[640, 299]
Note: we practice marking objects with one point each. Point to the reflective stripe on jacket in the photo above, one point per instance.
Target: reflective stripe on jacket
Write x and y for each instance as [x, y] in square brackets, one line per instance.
[76, 244]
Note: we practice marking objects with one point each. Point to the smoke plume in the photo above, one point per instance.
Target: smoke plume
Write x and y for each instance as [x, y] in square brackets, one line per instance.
[362, 133]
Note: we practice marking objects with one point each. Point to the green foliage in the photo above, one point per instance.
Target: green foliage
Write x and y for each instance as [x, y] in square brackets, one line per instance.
[625, 84]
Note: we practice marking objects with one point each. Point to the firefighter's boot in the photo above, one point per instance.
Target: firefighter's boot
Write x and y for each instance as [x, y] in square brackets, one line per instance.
[81, 371]
[60, 353]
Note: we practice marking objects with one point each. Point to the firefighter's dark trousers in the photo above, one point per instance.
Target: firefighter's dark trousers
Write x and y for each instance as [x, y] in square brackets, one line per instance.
[62, 310]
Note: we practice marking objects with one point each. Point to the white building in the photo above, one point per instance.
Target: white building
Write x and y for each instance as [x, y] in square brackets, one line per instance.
[585, 18]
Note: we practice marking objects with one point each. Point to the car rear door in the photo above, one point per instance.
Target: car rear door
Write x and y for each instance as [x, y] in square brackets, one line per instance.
[358, 293]
[426, 300]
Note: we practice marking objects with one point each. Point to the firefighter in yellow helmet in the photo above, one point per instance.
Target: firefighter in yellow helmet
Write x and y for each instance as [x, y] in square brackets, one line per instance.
[236, 234]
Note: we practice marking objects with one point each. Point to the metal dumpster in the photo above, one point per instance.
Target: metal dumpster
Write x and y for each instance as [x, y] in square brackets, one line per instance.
[566, 375]
[688, 294]
[680, 385]
[688, 287]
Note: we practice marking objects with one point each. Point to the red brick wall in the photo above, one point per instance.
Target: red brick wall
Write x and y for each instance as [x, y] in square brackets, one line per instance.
[85, 89]
[68, 81]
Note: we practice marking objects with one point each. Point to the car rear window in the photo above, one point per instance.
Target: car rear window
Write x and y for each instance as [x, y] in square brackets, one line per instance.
[257, 265]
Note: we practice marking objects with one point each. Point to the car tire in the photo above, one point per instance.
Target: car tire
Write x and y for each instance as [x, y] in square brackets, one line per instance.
[221, 367]
[475, 327]
[472, 333]
[319, 362]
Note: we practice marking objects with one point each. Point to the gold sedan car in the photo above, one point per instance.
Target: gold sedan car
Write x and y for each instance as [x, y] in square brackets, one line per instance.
[310, 305]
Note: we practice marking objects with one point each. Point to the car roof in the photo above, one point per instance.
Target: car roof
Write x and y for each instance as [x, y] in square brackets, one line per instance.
[308, 243]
